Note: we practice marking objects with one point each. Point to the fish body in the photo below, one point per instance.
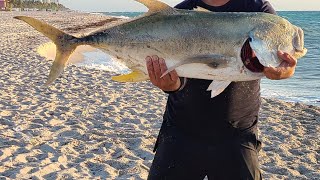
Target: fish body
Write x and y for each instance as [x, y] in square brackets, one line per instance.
[197, 44]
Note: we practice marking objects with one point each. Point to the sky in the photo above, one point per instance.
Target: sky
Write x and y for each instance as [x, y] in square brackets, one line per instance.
[131, 5]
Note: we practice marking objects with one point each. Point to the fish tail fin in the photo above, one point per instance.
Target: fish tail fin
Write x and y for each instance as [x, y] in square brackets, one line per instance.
[65, 43]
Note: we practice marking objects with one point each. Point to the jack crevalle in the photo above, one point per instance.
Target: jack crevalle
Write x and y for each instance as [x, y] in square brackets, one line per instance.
[197, 44]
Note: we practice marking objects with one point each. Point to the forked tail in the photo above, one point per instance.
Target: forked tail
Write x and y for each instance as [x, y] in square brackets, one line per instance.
[65, 44]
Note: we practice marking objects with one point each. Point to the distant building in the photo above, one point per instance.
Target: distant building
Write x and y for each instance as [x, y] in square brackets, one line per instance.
[3, 4]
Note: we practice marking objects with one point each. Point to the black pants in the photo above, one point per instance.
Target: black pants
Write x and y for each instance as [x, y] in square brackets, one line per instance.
[180, 157]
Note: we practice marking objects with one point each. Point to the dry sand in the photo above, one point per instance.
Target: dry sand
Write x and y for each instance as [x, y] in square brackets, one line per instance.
[85, 126]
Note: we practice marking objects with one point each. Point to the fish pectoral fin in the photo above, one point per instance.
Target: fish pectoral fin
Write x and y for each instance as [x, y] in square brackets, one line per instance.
[215, 61]
[155, 5]
[265, 56]
[134, 76]
[217, 87]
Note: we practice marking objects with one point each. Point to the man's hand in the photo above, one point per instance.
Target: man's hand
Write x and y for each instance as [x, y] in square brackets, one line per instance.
[285, 70]
[156, 67]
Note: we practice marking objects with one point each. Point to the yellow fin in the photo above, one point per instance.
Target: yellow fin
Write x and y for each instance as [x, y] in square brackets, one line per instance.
[135, 76]
[154, 5]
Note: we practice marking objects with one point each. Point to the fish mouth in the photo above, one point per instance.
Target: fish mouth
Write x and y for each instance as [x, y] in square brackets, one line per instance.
[249, 59]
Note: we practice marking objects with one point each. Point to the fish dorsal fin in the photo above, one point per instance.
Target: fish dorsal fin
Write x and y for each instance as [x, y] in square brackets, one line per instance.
[155, 5]
[201, 9]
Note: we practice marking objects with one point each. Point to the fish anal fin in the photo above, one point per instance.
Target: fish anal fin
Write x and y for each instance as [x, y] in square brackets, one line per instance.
[217, 87]
[214, 61]
[134, 76]
[155, 5]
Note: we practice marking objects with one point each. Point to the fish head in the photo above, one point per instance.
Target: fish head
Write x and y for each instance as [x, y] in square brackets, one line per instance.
[268, 39]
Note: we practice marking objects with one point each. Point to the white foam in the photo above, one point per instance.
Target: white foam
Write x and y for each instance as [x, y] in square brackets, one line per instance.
[110, 15]
[269, 91]
[96, 13]
[100, 60]
[121, 17]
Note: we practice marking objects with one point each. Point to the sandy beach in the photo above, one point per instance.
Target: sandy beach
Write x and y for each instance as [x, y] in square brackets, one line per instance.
[86, 126]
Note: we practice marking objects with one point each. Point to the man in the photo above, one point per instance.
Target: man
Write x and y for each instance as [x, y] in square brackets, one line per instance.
[215, 137]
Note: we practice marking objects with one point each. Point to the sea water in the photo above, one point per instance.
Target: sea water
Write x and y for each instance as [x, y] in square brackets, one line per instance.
[303, 87]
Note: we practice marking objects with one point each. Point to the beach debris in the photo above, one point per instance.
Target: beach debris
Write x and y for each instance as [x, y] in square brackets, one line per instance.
[197, 44]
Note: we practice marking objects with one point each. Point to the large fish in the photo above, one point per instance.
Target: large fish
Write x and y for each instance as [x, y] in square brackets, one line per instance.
[197, 44]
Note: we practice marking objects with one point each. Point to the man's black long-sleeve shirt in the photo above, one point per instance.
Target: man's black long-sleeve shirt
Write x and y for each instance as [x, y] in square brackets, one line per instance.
[194, 111]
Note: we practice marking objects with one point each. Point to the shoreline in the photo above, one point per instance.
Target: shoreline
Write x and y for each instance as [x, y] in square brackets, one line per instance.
[86, 126]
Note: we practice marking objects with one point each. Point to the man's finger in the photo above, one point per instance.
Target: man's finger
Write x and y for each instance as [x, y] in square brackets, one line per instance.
[271, 73]
[150, 69]
[271, 70]
[164, 68]
[156, 67]
[288, 58]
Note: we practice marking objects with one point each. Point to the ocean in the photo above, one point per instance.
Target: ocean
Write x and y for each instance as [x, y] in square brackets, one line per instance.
[303, 87]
